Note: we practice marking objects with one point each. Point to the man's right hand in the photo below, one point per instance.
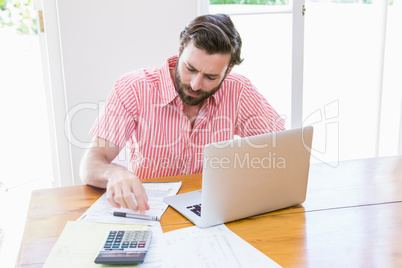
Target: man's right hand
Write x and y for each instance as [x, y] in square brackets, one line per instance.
[124, 189]
[98, 170]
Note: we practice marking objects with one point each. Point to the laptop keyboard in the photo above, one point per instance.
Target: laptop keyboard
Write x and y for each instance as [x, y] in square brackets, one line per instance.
[196, 209]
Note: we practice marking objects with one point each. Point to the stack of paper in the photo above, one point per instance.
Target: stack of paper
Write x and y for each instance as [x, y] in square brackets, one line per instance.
[211, 247]
[102, 211]
[217, 246]
[79, 244]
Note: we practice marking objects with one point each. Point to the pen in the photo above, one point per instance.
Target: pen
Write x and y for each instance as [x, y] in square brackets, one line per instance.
[136, 216]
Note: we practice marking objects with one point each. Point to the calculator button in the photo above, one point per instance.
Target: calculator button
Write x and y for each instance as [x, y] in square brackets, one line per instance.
[125, 240]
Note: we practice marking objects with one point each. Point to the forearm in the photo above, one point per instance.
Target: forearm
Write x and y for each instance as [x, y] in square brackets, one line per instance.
[96, 170]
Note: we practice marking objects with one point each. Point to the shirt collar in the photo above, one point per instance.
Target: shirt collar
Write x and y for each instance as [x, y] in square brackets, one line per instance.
[167, 89]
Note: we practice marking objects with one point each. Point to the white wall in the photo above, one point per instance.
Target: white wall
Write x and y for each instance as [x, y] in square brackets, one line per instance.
[98, 42]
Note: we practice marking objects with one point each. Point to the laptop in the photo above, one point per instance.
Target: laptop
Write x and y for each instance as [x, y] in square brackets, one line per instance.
[249, 176]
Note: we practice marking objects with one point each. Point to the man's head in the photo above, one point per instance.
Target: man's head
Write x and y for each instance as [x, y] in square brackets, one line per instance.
[215, 34]
[209, 48]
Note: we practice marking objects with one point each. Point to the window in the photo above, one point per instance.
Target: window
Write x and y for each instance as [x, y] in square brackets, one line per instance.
[356, 112]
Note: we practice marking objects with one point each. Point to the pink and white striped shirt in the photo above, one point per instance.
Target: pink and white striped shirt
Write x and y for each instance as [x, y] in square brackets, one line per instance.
[145, 113]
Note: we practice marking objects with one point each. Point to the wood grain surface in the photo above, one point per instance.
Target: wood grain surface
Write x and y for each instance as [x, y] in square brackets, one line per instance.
[351, 218]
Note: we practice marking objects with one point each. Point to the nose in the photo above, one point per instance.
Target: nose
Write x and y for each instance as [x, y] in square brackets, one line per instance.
[196, 82]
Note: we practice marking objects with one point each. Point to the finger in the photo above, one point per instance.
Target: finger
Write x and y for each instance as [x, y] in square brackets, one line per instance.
[121, 198]
[110, 198]
[118, 196]
[141, 197]
[129, 200]
[147, 207]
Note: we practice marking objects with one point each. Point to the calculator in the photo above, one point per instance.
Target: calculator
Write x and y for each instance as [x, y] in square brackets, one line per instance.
[124, 247]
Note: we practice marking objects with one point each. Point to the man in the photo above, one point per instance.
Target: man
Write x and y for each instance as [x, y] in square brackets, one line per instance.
[166, 115]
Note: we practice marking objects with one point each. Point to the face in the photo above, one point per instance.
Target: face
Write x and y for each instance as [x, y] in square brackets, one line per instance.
[199, 75]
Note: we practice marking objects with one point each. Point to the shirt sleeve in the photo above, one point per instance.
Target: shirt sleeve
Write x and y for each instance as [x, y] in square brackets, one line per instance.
[255, 115]
[118, 118]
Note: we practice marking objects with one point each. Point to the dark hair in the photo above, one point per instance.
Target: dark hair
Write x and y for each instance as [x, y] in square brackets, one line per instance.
[213, 34]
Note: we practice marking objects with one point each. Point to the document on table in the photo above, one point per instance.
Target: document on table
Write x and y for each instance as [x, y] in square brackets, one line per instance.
[102, 211]
[79, 244]
[211, 247]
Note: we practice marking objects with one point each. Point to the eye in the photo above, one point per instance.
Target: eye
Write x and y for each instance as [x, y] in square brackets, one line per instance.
[212, 78]
[190, 69]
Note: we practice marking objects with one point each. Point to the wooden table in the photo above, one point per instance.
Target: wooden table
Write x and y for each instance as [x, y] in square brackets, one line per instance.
[351, 218]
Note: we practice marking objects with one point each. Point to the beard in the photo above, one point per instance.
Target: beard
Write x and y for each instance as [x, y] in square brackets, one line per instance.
[201, 94]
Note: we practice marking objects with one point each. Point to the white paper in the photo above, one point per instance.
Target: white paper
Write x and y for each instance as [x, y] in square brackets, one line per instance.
[80, 242]
[211, 247]
[154, 256]
[102, 210]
